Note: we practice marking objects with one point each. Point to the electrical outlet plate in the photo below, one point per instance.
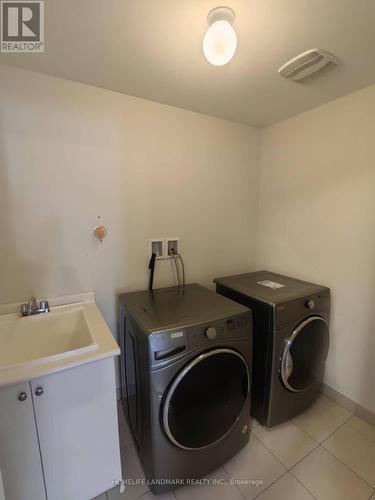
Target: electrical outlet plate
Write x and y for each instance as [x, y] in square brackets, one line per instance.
[171, 244]
[163, 247]
[157, 246]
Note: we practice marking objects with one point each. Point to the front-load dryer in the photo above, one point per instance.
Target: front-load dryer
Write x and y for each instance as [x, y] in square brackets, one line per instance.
[290, 340]
[186, 376]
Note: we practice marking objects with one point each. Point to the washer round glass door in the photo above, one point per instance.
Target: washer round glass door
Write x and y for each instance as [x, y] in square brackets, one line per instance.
[206, 399]
[304, 355]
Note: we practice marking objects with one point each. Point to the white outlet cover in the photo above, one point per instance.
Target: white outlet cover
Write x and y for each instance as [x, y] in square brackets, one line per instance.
[159, 241]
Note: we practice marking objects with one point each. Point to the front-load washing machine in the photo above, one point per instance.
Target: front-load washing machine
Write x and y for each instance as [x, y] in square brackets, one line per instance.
[186, 376]
[290, 340]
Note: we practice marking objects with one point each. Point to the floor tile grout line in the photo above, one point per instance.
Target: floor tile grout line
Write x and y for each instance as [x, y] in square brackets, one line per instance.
[289, 469]
[296, 478]
[279, 477]
[309, 453]
[277, 458]
[346, 465]
[329, 435]
[331, 412]
[337, 458]
[334, 414]
[299, 427]
[320, 445]
[364, 435]
[230, 475]
[303, 458]
[302, 430]
[242, 493]
[332, 433]
[269, 486]
[237, 487]
[261, 442]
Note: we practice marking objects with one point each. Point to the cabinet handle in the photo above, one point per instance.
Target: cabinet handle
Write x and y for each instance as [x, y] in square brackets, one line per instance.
[22, 396]
[39, 391]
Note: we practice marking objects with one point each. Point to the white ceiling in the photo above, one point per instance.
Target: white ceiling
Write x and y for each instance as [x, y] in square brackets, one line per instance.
[153, 49]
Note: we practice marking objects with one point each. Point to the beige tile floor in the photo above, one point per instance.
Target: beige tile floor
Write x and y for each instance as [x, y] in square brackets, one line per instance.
[325, 453]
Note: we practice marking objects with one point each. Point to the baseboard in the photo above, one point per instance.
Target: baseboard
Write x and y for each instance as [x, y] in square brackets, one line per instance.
[365, 414]
[338, 398]
[349, 404]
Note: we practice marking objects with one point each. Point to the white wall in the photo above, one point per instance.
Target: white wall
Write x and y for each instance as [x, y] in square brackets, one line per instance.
[316, 222]
[70, 153]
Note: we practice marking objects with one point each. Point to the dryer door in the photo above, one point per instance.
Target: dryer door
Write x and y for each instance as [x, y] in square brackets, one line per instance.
[206, 399]
[304, 355]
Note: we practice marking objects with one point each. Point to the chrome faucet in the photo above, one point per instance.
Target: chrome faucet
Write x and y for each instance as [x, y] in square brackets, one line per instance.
[31, 307]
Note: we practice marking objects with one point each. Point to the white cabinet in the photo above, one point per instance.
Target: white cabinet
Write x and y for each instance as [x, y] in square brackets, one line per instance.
[73, 414]
[20, 463]
[76, 415]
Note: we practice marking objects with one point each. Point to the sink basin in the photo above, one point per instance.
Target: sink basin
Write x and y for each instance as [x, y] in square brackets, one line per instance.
[72, 334]
[30, 340]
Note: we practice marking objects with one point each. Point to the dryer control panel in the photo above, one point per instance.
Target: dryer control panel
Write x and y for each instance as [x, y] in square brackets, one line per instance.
[288, 313]
[172, 344]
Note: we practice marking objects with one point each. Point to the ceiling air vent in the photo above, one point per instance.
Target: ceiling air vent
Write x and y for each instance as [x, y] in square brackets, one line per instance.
[311, 62]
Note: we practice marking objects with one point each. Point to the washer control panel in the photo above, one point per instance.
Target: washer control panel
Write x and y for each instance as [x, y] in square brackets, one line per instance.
[230, 328]
[170, 345]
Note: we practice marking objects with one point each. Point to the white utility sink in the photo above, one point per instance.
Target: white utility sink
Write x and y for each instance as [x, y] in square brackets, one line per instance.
[69, 335]
[48, 336]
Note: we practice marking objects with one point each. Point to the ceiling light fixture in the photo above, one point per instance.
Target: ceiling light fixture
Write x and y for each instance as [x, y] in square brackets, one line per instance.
[220, 39]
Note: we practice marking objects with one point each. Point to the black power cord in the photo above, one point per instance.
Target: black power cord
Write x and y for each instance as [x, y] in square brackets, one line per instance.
[151, 266]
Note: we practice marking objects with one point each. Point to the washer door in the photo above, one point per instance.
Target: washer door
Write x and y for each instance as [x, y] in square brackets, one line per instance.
[304, 354]
[206, 399]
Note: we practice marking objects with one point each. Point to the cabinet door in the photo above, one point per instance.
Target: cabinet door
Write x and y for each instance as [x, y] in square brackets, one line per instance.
[76, 414]
[20, 463]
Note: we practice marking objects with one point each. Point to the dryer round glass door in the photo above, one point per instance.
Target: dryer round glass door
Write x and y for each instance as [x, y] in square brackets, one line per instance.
[206, 399]
[304, 354]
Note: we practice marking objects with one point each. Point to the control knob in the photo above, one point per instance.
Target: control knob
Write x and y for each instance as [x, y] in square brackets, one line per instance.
[211, 333]
[310, 304]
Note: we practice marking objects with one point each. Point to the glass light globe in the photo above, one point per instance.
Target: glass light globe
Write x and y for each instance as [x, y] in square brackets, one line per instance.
[219, 43]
